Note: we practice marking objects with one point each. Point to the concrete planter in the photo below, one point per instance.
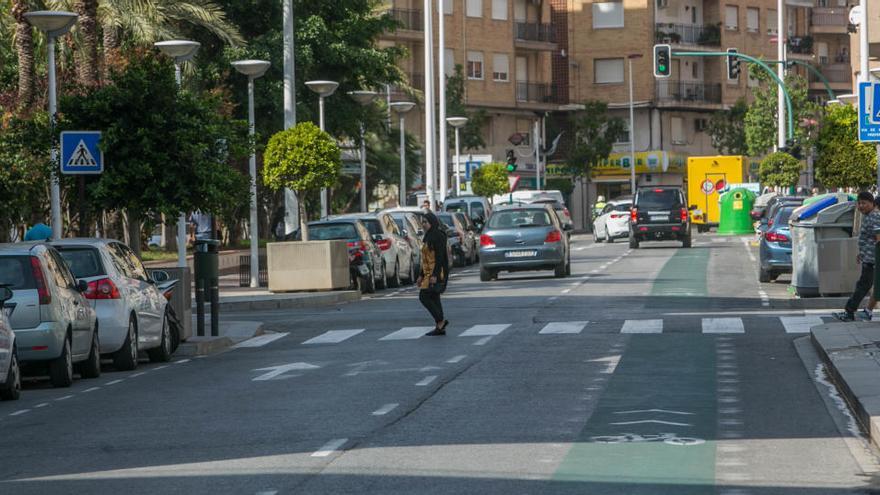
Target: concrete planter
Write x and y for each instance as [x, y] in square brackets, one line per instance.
[313, 265]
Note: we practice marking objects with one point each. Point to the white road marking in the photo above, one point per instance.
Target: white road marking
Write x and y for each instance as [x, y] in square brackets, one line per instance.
[456, 359]
[723, 325]
[651, 421]
[157, 368]
[426, 381]
[276, 372]
[330, 447]
[261, 340]
[481, 330]
[182, 361]
[142, 373]
[19, 413]
[483, 341]
[666, 411]
[408, 333]
[42, 404]
[269, 492]
[387, 408]
[564, 327]
[64, 398]
[800, 324]
[566, 291]
[642, 326]
[114, 382]
[553, 298]
[334, 336]
[91, 390]
[730, 422]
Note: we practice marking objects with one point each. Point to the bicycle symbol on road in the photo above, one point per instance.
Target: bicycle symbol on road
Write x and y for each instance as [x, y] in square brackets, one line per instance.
[667, 438]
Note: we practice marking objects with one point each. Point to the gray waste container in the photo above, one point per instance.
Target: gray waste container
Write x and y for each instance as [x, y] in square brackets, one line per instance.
[823, 254]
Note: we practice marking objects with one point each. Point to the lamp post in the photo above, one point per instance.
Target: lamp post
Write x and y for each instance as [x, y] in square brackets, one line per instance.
[323, 89]
[457, 123]
[54, 24]
[632, 126]
[430, 120]
[364, 98]
[402, 107]
[781, 39]
[180, 51]
[253, 69]
[443, 146]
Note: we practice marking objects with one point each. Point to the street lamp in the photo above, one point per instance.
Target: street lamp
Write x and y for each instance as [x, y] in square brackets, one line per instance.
[180, 51]
[253, 69]
[323, 89]
[54, 24]
[364, 98]
[632, 126]
[457, 123]
[402, 107]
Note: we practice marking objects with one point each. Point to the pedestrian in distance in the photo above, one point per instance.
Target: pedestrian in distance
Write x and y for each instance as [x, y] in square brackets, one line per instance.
[435, 272]
[426, 205]
[868, 237]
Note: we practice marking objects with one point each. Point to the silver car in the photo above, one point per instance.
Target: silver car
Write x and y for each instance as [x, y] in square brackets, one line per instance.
[10, 374]
[521, 238]
[397, 255]
[53, 322]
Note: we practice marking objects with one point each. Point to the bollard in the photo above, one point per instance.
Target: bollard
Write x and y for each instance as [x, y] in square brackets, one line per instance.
[207, 272]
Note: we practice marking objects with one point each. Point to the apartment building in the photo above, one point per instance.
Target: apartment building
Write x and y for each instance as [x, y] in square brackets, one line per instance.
[829, 28]
[873, 43]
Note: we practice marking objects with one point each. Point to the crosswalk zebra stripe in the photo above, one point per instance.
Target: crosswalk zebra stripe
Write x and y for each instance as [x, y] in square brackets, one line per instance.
[564, 327]
[484, 330]
[334, 336]
[799, 324]
[642, 326]
[723, 325]
[407, 333]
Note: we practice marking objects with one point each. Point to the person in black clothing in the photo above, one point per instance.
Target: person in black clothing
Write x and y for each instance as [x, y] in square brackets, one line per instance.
[435, 272]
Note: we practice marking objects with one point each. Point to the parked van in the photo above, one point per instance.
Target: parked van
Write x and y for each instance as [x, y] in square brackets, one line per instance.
[477, 208]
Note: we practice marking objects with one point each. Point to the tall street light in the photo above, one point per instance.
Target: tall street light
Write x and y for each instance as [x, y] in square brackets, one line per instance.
[430, 120]
[632, 126]
[402, 107]
[781, 40]
[253, 69]
[443, 146]
[54, 24]
[324, 89]
[364, 98]
[457, 123]
[180, 51]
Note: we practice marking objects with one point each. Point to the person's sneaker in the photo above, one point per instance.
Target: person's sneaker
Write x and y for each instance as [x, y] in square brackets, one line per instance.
[435, 332]
[865, 314]
[845, 316]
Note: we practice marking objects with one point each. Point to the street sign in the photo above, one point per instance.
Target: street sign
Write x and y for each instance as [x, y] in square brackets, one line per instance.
[708, 186]
[80, 153]
[869, 112]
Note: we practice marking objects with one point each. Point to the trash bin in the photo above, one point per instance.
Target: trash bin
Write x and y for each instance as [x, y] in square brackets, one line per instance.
[824, 250]
[736, 208]
[206, 265]
[181, 298]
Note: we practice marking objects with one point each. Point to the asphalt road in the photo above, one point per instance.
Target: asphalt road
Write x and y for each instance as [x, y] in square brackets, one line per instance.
[659, 370]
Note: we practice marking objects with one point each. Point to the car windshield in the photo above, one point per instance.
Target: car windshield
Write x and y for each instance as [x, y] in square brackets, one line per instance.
[16, 273]
[477, 210]
[457, 207]
[83, 262]
[331, 231]
[784, 215]
[622, 207]
[373, 226]
[659, 199]
[510, 219]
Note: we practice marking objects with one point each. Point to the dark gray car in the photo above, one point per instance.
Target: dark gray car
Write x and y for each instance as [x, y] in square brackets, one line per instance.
[521, 238]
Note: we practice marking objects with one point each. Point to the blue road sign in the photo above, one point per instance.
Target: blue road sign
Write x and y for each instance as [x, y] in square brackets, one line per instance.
[80, 153]
[469, 168]
[869, 112]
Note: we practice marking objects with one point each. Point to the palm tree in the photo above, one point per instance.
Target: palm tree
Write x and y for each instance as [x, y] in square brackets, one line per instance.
[88, 29]
[24, 47]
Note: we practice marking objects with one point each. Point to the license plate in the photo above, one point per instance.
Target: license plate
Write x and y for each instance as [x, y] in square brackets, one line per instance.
[520, 254]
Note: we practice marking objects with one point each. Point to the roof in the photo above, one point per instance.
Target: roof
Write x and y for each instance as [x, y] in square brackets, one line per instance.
[19, 247]
[81, 241]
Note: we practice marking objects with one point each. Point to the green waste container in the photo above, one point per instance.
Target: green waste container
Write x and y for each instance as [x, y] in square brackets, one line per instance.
[736, 207]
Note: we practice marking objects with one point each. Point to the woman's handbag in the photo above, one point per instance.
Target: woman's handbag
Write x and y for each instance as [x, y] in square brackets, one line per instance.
[438, 287]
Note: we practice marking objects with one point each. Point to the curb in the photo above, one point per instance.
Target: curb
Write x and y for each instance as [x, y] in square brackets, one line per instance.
[293, 301]
[203, 346]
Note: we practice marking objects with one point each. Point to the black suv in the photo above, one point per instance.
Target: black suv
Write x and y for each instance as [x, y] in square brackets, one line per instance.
[658, 214]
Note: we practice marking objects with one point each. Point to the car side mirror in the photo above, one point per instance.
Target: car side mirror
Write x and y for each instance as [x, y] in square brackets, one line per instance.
[5, 295]
[377, 237]
[82, 285]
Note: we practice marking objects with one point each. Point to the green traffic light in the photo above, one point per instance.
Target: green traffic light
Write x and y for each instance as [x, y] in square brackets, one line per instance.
[662, 68]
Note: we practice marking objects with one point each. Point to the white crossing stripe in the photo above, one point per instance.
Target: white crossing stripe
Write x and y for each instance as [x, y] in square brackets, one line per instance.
[407, 333]
[333, 336]
[261, 340]
[330, 447]
[483, 330]
[723, 325]
[800, 324]
[642, 326]
[564, 327]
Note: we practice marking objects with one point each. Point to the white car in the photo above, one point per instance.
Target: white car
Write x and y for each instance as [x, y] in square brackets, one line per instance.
[132, 311]
[613, 222]
[10, 374]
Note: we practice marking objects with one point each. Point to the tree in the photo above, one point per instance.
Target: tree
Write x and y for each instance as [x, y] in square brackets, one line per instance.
[490, 180]
[24, 175]
[304, 159]
[727, 130]
[471, 135]
[843, 161]
[779, 169]
[761, 117]
[595, 133]
[24, 47]
[88, 30]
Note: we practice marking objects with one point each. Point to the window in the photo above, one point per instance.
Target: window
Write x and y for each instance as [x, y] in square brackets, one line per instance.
[731, 17]
[607, 15]
[447, 6]
[772, 20]
[500, 67]
[519, 10]
[499, 10]
[677, 124]
[608, 71]
[475, 65]
[791, 19]
[695, 70]
[450, 62]
[624, 138]
[475, 8]
[752, 20]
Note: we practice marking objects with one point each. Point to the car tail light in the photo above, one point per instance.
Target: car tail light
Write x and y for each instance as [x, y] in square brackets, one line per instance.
[40, 279]
[553, 236]
[616, 215]
[384, 244]
[684, 215]
[776, 237]
[658, 190]
[486, 241]
[102, 289]
[634, 215]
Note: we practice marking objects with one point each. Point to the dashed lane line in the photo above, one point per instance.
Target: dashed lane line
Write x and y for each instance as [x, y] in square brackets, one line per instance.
[330, 447]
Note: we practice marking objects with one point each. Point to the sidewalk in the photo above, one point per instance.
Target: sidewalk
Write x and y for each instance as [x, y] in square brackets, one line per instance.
[240, 299]
[231, 333]
[851, 353]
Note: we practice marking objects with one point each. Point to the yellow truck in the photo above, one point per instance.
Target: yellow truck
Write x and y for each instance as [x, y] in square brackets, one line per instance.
[708, 177]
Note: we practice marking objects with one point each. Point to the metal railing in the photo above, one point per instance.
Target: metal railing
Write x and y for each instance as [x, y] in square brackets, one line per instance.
[835, 73]
[687, 34]
[801, 45]
[410, 19]
[244, 271]
[533, 31]
[534, 92]
[688, 92]
[830, 17]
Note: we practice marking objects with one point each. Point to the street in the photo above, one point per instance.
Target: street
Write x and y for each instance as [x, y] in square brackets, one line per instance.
[658, 370]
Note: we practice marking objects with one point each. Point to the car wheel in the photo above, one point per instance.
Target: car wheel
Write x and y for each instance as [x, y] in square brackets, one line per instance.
[382, 284]
[596, 237]
[485, 275]
[12, 389]
[412, 272]
[764, 275]
[609, 238]
[91, 367]
[395, 279]
[686, 242]
[369, 282]
[126, 359]
[162, 354]
[61, 368]
[633, 242]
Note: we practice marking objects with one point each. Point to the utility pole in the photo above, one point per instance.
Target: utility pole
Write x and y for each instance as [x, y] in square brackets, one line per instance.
[780, 54]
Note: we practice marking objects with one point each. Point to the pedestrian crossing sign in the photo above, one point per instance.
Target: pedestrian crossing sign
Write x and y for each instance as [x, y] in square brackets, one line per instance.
[80, 153]
[869, 112]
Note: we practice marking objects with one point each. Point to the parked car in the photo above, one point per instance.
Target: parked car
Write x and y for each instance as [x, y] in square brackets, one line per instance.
[132, 311]
[477, 208]
[659, 213]
[53, 322]
[410, 225]
[522, 238]
[769, 215]
[558, 206]
[398, 260]
[613, 221]
[775, 245]
[461, 239]
[364, 257]
[10, 374]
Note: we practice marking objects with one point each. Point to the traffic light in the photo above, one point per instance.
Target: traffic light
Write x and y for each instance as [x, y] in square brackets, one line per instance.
[732, 65]
[662, 60]
[511, 161]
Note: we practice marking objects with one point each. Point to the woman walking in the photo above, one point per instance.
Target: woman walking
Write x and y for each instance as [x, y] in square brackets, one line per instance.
[435, 272]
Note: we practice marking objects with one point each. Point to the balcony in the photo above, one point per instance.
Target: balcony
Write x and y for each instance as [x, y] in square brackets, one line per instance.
[535, 36]
[838, 75]
[687, 34]
[829, 21]
[800, 47]
[528, 92]
[410, 24]
[690, 93]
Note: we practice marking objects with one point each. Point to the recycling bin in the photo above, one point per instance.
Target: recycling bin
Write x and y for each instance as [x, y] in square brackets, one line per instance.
[824, 248]
[736, 207]
[206, 265]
